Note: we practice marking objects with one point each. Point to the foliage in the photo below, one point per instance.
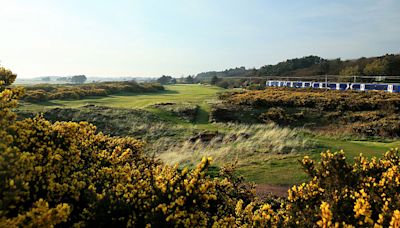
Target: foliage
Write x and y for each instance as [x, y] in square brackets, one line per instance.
[388, 65]
[231, 83]
[78, 79]
[7, 77]
[189, 80]
[214, 80]
[364, 194]
[46, 79]
[349, 71]
[377, 67]
[65, 173]
[166, 80]
[44, 92]
[366, 113]
[283, 68]
[113, 121]
[277, 115]
[233, 72]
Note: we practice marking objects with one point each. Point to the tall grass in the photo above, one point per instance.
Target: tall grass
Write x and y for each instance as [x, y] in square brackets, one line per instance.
[238, 141]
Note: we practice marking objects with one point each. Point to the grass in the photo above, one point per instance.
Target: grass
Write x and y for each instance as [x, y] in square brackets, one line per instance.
[196, 94]
[262, 158]
[354, 148]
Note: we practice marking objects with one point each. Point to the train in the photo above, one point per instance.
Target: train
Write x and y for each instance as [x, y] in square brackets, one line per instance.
[391, 88]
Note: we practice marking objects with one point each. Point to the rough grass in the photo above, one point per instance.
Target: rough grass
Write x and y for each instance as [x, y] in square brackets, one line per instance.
[238, 141]
[268, 153]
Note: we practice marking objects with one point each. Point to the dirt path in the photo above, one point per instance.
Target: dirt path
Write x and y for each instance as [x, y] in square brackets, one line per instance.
[263, 190]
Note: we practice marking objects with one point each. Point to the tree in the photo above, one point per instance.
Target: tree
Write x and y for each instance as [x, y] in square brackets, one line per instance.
[46, 79]
[165, 80]
[377, 67]
[214, 80]
[78, 79]
[189, 79]
[64, 79]
[349, 71]
[393, 65]
[6, 77]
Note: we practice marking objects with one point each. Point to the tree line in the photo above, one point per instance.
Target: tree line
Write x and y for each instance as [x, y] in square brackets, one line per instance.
[386, 65]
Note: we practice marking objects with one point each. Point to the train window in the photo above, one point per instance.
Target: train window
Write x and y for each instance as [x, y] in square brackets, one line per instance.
[355, 86]
[369, 86]
[332, 85]
[344, 86]
[381, 87]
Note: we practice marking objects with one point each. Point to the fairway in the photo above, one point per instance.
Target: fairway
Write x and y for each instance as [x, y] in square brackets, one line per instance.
[194, 94]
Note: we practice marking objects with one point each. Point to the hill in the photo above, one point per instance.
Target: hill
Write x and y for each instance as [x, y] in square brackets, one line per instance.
[386, 65]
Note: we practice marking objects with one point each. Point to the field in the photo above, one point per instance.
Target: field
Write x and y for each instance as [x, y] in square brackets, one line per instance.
[265, 154]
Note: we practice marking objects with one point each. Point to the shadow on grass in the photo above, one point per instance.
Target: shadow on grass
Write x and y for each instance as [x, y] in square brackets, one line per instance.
[166, 92]
[202, 116]
[47, 103]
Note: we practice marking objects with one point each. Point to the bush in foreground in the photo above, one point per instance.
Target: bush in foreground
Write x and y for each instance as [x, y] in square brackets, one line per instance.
[65, 173]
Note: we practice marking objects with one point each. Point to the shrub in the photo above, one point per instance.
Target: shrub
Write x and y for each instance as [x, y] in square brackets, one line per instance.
[365, 113]
[363, 194]
[39, 93]
[65, 173]
[277, 115]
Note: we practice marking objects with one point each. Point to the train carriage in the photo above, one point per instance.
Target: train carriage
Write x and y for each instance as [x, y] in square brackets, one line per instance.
[392, 88]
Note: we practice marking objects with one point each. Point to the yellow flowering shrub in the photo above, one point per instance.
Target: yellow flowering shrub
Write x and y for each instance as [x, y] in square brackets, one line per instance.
[366, 193]
[65, 173]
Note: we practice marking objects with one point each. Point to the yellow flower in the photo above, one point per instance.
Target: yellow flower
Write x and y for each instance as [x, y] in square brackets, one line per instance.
[326, 216]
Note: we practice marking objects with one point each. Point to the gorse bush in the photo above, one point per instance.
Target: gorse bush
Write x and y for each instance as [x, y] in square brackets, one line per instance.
[369, 113]
[366, 193]
[44, 92]
[66, 173]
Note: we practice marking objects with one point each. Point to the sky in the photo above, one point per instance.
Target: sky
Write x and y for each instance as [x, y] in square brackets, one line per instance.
[182, 37]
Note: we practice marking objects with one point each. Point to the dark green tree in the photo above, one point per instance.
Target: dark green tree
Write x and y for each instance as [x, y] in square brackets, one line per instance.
[46, 79]
[165, 80]
[214, 80]
[7, 77]
[78, 79]
[189, 79]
